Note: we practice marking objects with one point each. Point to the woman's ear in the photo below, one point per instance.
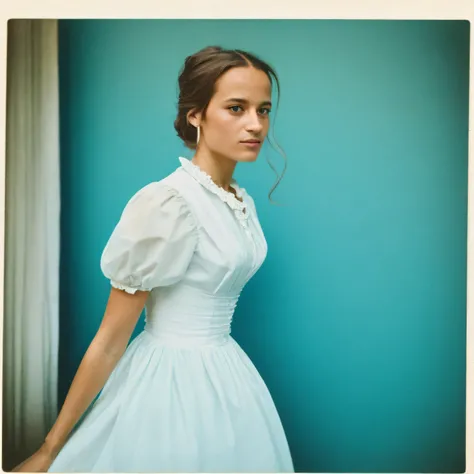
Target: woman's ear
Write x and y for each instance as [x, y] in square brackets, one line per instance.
[194, 118]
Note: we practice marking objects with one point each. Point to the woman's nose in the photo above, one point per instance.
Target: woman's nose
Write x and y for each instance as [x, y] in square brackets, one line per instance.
[254, 123]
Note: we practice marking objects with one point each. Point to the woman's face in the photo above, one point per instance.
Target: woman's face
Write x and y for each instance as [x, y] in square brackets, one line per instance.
[238, 112]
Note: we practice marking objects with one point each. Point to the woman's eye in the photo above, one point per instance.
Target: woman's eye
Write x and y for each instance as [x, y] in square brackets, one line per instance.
[238, 108]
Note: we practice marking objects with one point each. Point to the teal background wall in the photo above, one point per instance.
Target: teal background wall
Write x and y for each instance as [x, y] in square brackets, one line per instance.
[357, 319]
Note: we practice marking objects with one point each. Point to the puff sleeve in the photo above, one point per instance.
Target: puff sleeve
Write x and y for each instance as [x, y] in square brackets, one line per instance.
[153, 242]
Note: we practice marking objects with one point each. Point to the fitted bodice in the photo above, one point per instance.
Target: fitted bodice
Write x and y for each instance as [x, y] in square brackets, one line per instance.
[183, 316]
[231, 247]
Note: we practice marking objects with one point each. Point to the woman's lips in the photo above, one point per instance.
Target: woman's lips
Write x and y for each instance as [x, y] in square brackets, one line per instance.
[251, 143]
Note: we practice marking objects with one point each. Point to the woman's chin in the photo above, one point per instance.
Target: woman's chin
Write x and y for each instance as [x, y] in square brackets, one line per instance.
[249, 156]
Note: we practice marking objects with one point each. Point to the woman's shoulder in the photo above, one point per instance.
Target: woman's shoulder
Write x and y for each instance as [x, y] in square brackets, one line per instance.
[155, 192]
[158, 202]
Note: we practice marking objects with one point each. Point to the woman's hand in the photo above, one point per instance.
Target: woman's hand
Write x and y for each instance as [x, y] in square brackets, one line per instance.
[40, 461]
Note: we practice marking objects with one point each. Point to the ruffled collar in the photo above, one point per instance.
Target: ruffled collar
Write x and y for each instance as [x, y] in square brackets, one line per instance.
[239, 207]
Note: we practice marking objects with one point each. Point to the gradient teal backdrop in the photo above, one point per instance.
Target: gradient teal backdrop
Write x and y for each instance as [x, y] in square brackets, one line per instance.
[357, 319]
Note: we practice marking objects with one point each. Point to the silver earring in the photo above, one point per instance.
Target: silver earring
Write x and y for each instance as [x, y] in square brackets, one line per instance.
[198, 134]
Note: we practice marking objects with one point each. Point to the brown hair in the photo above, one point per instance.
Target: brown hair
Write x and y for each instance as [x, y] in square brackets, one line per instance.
[197, 81]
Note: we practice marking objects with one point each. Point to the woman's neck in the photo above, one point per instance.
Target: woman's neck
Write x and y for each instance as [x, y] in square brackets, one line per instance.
[220, 169]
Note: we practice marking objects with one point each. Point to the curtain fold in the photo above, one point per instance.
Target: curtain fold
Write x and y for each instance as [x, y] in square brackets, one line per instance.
[32, 238]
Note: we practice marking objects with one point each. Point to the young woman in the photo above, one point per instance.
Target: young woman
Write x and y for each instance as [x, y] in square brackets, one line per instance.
[183, 397]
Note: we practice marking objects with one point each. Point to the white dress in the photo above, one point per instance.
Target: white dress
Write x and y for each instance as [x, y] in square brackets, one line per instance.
[184, 397]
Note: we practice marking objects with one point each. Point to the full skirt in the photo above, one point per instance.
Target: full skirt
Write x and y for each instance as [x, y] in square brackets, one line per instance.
[179, 409]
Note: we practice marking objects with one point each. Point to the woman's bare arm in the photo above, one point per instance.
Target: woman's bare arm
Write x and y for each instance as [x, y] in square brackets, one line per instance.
[120, 318]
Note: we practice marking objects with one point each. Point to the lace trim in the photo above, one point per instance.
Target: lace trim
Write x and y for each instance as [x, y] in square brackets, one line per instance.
[120, 286]
[240, 208]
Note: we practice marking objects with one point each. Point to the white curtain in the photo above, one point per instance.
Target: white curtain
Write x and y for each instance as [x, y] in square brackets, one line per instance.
[32, 231]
